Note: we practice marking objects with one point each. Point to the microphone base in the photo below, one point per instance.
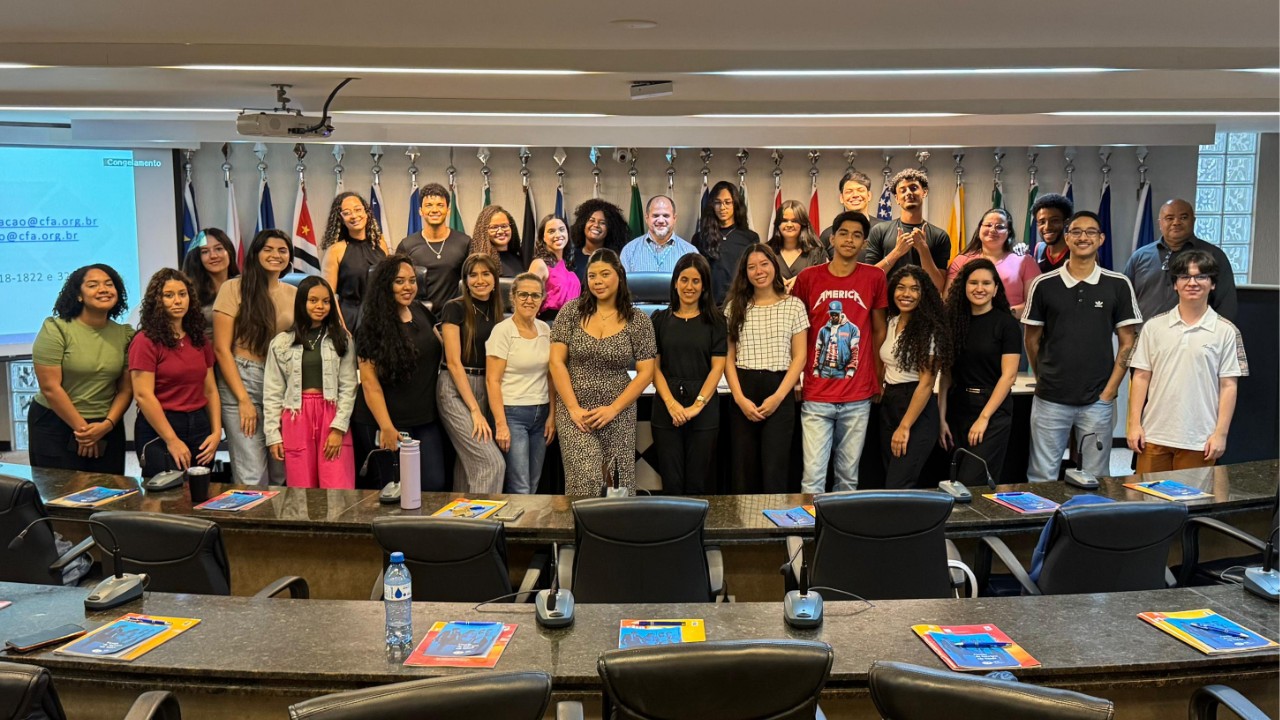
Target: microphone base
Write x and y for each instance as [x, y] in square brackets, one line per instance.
[618, 492]
[390, 494]
[802, 610]
[1265, 585]
[956, 490]
[115, 591]
[559, 616]
[1081, 479]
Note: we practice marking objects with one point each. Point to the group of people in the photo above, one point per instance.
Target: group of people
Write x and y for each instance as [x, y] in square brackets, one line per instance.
[314, 381]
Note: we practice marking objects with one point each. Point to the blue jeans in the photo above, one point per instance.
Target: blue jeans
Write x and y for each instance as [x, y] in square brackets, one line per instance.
[528, 424]
[1051, 425]
[820, 423]
[251, 464]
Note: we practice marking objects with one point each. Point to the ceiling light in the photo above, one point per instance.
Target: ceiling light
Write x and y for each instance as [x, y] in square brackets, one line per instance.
[819, 116]
[439, 113]
[1265, 71]
[898, 72]
[20, 66]
[373, 70]
[634, 24]
[1160, 113]
[40, 108]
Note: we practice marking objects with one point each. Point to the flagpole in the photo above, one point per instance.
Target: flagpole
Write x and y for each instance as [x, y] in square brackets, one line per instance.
[743, 155]
[483, 156]
[190, 217]
[233, 214]
[956, 227]
[338, 153]
[1029, 239]
[376, 205]
[814, 223]
[560, 156]
[595, 171]
[414, 222]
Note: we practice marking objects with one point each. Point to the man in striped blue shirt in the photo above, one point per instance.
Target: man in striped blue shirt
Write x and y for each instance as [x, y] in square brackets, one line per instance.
[660, 248]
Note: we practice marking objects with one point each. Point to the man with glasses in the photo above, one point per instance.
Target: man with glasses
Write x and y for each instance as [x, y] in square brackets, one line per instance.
[1185, 371]
[1148, 267]
[438, 248]
[910, 240]
[660, 248]
[1070, 316]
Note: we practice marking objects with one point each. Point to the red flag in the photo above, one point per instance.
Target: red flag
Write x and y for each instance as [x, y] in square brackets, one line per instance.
[306, 253]
[814, 222]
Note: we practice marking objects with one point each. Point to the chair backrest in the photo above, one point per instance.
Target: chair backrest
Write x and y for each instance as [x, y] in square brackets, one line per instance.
[504, 696]
[650, 288]
[449, 559]
[1113, 547]
[20, 505]
[26, 691]
[730, 680]
[910, 692]
[882, 544]
[641, 549]
[180, 554]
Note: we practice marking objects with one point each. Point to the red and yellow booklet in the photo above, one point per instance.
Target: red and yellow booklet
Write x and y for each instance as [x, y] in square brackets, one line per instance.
[462, 644]
[974, 647]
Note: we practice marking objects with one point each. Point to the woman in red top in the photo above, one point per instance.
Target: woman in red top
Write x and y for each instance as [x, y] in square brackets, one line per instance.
[179, 419]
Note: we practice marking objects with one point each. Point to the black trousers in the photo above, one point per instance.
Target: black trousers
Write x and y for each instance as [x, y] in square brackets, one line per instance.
[761, 450]
[904, 472]
[191, 427]
[52, 444]
[963, 408]
[684, 458]
[382, 468]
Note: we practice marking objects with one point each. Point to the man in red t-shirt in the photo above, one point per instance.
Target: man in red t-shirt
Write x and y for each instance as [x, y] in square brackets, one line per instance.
[846, 301]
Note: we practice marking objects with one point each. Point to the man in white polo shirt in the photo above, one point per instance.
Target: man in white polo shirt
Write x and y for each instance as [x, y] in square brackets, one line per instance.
[1186, 367]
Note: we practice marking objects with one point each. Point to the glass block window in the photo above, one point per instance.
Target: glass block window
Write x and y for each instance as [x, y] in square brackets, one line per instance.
[1226, 179]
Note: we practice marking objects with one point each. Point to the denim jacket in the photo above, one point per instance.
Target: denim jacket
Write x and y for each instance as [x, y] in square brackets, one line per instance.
[282, 383]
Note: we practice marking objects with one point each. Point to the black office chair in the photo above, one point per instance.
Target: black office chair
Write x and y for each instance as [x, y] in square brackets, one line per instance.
[504, 696]
[178, 554]
[775, 679]
[650, 288]
[27, 693]
[1228, 570]
[641, 549]
[883, 545]
[1111, 547]
[452, 559]
[909, 692]
[1205, 702]
[37, 561]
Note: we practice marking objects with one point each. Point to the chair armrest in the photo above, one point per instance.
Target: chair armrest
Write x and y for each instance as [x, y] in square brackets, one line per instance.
[715, 571]
[795, 559]
[569, 710]
[1205, 702]
[532, 576]
[1010, 561]
[957, 572]
[818, 714]
[1191, 543]
[376, 593]
[564, 566]
[155, 705]
[83, 547]
[297, 587]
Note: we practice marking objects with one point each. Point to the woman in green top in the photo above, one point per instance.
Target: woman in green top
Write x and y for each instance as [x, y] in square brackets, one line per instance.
[80, 357]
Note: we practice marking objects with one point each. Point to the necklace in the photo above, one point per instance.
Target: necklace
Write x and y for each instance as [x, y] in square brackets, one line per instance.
[438, 253]
[482, 312]
[319, 337]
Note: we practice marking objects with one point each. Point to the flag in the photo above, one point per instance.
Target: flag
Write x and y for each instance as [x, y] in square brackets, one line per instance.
[529, 228]
[814, 222]
[742, 195]
[415, 217]
[190, 217]
[487, 200]
[636, 221]
[774, 207]
[455, 216]
[266, 213]
[955, 226]
[1104, 214]
[306, 253]
[704, 198]
[376, 207]
[1070, 193]
[1144, 231]
[233, 223]
[997, 195]
[1029, 227]
[560, 211]
[884, 209]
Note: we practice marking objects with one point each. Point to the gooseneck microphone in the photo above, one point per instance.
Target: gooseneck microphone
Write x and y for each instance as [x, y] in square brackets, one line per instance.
[957, 489]
[801, 608]
[1079, 477]
[554, 608]
[1265, 581]
[123, 587]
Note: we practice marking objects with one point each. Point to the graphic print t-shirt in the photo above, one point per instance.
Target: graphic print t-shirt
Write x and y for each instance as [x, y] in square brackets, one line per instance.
[841, 365]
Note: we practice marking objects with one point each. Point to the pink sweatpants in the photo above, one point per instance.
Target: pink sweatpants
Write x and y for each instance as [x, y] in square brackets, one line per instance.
[304, 432]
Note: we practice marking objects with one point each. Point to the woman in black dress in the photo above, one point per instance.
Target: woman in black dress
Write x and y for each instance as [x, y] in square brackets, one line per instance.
[723, 235]
[352, 244]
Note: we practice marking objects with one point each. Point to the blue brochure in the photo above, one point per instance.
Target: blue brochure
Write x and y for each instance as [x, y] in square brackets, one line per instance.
[465, 639]
[794, 517]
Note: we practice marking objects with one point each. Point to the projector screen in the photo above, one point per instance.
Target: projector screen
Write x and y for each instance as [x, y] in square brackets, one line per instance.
[62, 208]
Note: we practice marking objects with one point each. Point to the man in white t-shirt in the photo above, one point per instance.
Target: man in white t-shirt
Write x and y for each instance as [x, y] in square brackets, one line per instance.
[1186, 367]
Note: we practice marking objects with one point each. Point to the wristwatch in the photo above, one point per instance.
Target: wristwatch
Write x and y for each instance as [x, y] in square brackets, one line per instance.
[700, 400]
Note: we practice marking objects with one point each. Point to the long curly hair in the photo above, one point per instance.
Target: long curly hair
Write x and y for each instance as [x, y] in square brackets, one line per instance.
[975, 243]
[616, 236]
[154, 321]
[587, 302]
[472, 305]
[68, 306]
[959, 310]
[302, 319]
[383, 340]
[710, 234]
[480, 242]
[256, 324]
[808, 240]
[543, 253]
[742, 293]
[336, 230]
[923, 344]
[193, 265]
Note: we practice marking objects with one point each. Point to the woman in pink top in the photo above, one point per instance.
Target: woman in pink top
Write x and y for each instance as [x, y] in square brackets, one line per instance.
[993, 240]
[549, 264]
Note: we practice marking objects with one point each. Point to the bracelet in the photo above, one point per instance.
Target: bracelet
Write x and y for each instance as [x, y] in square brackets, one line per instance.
[113, 422]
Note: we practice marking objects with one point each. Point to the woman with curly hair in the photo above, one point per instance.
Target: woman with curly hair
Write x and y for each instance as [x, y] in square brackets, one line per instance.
[915, 348]
[352, 244]
[309, 392]
[555, 266]
[794, 241]
[249, 311]
[973, 398]
[596, 224]
[723, 235]
[993, 239]
[495, 235]
[171, 364]
[767, 330]
[209, 262]
[80, 361]
[400, 355]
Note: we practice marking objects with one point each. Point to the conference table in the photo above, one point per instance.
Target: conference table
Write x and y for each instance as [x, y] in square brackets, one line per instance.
[324, 535]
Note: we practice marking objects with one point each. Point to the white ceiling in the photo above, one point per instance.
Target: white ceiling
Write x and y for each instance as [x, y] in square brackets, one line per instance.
[1178, 55]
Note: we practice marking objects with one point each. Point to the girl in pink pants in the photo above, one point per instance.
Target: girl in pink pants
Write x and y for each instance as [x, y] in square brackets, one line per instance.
[309, 390]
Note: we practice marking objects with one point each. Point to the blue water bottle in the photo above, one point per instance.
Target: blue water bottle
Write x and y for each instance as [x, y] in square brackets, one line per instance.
[397, 597]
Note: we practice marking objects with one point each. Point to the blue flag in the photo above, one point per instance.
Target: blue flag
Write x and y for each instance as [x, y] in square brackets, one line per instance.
[190, 217]
[375, 207]
[1070, 193]
[266, 214]
[1144, 230]
[1104, 214]
[560, 213]
[884, 209]
[415, 218]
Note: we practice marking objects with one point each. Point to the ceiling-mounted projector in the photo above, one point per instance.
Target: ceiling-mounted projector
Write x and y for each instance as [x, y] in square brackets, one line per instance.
[286, 125]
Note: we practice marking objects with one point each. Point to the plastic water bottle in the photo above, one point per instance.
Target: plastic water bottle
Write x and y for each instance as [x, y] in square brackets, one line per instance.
[397, 596]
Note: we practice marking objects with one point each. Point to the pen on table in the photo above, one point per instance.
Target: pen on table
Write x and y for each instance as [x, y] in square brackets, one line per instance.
[254, 493]
[660, 623]
[971, 645]
[147, 621]
[1220, 630]
[465, 622]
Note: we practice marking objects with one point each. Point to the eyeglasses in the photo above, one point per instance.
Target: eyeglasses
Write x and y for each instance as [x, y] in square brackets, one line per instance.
[998, 228]
[348, 214]
[1197, 279]
[528, 295]
[722, 203]
[496, 229]
[1091, 233]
